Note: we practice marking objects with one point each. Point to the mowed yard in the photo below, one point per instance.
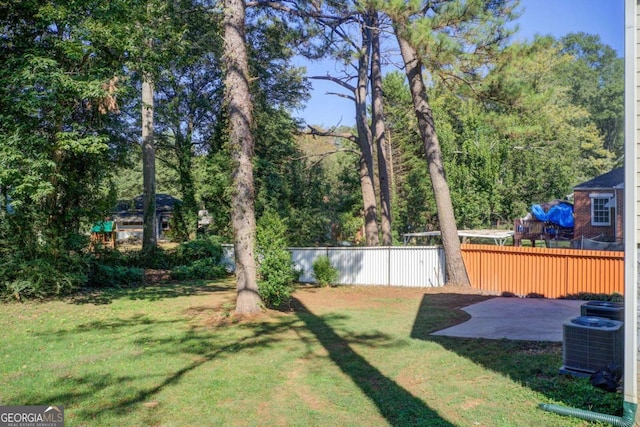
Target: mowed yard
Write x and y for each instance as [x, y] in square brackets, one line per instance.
[172, 354]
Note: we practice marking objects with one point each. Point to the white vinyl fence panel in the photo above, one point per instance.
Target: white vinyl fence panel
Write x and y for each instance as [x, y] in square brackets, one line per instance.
[361, 266]
[417, 266]
[410, 266]
[303, 259]
[383, 266]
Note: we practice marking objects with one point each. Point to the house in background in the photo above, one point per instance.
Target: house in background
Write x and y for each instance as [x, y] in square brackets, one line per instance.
[598, 207]
[129, 217]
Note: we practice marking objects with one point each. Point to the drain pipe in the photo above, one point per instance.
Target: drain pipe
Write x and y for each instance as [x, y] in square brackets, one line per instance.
[627, 419]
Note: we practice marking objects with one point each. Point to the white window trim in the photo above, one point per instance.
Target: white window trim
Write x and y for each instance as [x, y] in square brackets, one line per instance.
[608, 197]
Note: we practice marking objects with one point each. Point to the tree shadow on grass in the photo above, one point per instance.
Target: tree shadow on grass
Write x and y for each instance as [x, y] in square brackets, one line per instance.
[122, 392]
[533, 364]
[396, 405]
[154, 292]
[75, 390]
[140, 322]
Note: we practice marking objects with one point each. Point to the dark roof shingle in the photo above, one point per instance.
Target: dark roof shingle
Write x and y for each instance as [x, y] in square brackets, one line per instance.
[612, 179]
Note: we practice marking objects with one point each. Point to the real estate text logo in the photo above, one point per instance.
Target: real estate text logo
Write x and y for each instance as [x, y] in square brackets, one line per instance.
[31, 416]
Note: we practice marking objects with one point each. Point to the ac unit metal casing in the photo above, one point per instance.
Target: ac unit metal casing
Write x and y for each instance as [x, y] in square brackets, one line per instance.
[606, 309]
[591, 343]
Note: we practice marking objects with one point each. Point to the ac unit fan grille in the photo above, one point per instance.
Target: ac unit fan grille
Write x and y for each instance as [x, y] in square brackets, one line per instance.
[590, 348]
[606, 309]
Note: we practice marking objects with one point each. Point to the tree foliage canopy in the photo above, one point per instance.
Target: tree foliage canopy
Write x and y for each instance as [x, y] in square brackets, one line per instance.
[518, 123]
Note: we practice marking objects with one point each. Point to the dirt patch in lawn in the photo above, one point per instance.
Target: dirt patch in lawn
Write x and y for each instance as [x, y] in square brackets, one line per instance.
[218, 307]
[156, 276]
[382, 296]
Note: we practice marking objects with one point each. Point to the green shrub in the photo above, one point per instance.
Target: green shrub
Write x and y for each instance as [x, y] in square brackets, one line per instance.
[199, 269]
[276, 279]
[107, 256]
[37, 263]
[275, 269]
[198, 259]
[55, 270]
[157, 259]
[154, 259]
[43, 276]
[115, 276]
[325, 273]
[614, 297]
[208, 248]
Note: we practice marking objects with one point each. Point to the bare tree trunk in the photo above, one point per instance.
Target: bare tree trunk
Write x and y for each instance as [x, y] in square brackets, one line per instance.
[239, 106]
[391, 168]
[149, 223]
[364, 142]
[456, 271]
[379, 133]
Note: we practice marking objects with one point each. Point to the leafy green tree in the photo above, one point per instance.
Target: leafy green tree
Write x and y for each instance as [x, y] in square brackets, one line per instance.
[553, 143]
[188, 103]
[59, 136]
[476, 154]
[286, 182]
[349, 33]
[335, 206]
[516, 139]
[450, 39]
[595, 79]
[412, 192]
[128, 176]
[145, 37]
[149, 232]
[59, 115]
[213, 188]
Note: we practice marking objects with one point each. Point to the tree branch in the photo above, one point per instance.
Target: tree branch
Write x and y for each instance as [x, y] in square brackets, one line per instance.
[321, 157]
[330, 133]
[336, 80]
[342, 95]
[297, 11]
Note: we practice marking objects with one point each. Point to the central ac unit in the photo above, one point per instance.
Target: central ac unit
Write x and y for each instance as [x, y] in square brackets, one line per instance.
[591, 343]
[608, 309]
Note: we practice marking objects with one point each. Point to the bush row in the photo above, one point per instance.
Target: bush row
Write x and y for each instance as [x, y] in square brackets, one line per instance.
[51, 272]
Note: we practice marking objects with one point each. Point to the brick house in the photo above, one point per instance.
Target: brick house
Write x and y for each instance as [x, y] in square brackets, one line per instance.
[598, 207]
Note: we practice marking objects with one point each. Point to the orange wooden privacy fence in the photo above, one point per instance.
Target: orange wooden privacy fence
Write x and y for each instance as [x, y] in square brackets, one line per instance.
[549, 272]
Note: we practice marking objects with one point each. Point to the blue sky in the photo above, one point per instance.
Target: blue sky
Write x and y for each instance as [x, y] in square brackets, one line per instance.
[555, 17]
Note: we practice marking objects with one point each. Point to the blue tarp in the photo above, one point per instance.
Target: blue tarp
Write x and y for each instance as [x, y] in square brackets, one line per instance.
[560, 214]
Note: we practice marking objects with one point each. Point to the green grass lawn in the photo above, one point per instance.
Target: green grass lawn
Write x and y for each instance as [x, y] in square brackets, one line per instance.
[173, 355]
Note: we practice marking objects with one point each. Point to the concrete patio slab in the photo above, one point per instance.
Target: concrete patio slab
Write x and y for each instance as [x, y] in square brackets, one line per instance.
[529, 319]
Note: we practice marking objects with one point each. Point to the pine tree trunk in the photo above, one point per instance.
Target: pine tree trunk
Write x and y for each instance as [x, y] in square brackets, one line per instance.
[379, 133]
[239, 108]
[454, 264]
[149, 222]
[364, 142]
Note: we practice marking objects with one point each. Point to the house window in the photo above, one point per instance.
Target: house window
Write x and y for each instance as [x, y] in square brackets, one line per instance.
[601, 209]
